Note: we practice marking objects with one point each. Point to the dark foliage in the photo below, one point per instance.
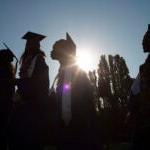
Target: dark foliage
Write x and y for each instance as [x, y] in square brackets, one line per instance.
[111, 83]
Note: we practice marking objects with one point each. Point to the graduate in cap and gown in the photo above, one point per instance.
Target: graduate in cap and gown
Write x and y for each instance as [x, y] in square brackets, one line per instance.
[140, 101]
[7, 90]
[29, 123]
[76, 111]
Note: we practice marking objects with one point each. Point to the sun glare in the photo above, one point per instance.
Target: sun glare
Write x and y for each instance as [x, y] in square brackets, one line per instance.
[85, 60]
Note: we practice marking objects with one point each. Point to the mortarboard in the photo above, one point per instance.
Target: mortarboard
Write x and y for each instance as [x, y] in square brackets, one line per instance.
[33, 36]
[71, 42]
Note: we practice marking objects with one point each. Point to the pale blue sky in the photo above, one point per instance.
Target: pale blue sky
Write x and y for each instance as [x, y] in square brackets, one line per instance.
[101, 26]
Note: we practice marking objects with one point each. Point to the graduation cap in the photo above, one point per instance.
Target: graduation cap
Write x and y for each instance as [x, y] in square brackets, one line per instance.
[35, 37]
[33, 40]
[70, 41]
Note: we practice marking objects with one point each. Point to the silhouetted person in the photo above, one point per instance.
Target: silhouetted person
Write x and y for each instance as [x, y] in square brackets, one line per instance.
[76, 111]
[7, 90]
[140, 101]
[30, 119]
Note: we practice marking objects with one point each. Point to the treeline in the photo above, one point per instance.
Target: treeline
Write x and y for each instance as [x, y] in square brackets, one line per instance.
[111, 83]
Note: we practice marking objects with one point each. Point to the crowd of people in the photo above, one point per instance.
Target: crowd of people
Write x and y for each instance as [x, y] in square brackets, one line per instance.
[32, 115]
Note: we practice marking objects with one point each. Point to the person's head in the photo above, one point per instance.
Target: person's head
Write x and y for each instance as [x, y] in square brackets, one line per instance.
[33, 44]
[64, 50]
[6, 59]
[6, 56]
[146, 40]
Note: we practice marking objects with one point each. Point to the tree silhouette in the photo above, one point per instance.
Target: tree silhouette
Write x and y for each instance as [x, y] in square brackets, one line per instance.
[111, 84]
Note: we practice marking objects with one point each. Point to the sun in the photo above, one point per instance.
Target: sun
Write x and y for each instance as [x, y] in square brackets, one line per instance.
[85, 60]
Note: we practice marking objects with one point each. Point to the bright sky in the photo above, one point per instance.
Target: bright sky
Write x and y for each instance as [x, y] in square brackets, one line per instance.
[98, 26]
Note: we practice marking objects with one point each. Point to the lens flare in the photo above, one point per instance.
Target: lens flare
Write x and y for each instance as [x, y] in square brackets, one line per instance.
[66, 87]
[85, 60]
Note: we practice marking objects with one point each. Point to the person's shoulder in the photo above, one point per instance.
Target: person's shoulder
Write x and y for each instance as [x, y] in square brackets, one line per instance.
[78, 71]
[80, 75]
[41, 56]
[41, 61]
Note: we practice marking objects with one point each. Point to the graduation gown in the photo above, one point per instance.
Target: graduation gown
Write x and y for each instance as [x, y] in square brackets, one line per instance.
[30, 119]
[79, 131]
[7, 90]
[141, 109]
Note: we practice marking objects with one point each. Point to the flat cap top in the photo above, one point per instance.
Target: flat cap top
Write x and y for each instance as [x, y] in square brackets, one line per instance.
[33, 36]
